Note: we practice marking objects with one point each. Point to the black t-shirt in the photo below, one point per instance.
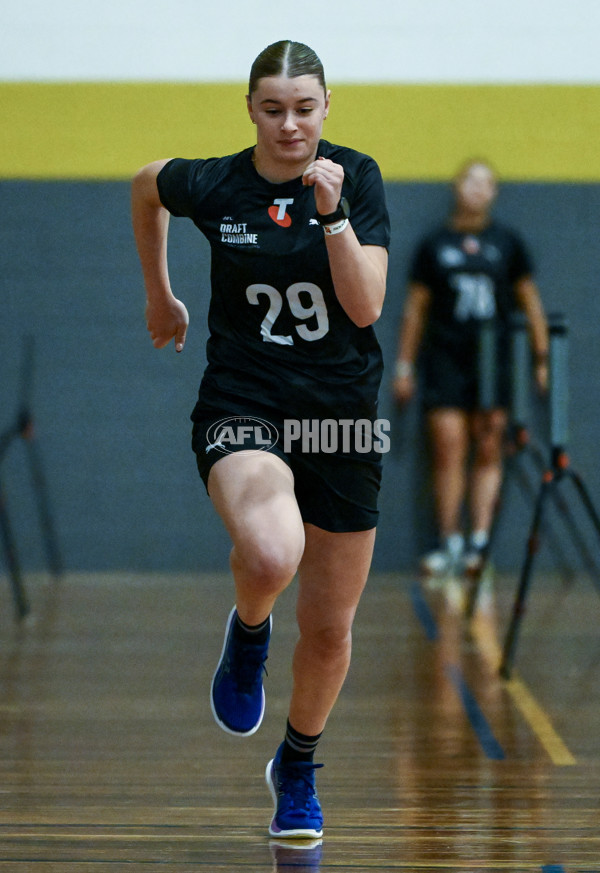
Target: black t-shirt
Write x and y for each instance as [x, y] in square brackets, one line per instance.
[471, 278]
[278, 335]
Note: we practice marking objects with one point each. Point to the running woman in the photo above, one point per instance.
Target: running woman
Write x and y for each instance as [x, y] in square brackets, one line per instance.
[469, 270]
[299, 233]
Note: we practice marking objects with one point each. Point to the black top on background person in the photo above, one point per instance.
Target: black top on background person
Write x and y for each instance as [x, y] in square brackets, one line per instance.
[466, 271]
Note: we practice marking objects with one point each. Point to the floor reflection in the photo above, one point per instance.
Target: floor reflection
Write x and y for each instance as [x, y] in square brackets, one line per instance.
[304, 856]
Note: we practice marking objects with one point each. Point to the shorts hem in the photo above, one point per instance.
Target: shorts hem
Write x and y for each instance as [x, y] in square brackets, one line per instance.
[320, 488]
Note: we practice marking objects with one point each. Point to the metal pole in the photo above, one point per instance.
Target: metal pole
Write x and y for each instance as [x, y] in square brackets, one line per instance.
[520, 371]
[559, 383]
[487, 365]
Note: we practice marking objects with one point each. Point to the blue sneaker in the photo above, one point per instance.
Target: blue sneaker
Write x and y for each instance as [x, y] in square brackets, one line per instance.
[297, 808]
[237, 696]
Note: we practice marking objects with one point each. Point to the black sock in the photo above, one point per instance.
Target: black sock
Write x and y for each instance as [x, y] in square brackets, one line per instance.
[258, 634]
[297, 746]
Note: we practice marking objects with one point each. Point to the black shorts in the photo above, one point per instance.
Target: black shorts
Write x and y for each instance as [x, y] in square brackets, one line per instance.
[449, 382]
[336, 491]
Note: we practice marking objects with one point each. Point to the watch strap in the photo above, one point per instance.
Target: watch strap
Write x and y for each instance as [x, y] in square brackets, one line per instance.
[342, 212]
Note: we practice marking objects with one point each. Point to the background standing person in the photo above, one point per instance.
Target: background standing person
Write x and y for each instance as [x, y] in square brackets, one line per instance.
[469, 270]
[299, 231]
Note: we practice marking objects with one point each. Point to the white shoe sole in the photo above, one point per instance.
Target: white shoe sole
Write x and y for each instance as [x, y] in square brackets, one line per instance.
[274, 830]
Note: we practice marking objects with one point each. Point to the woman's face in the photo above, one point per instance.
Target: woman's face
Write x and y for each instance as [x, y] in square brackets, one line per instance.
[289, 115]
[475, 189]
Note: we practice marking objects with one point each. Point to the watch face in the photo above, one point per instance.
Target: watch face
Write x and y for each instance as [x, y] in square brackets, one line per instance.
[344, 207]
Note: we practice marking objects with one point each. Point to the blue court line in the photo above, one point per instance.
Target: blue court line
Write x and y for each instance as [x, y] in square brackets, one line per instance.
[553, 868]
[423, 612]
[488, 741]
[479, 723]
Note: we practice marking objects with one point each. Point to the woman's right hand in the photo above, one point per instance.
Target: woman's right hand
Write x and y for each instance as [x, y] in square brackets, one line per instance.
[166, 320]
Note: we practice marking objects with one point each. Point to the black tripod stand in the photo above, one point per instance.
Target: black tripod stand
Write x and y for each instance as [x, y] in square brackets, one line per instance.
[558, 469]
[519, 445]
[23, 428]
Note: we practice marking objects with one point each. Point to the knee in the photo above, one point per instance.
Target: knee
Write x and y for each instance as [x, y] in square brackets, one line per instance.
[449, 437]
[448, 451]
[329, 641]
[488, 447]
[488, 454]
[266, 566]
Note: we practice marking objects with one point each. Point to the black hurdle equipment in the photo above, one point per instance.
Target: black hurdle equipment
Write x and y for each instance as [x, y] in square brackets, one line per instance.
[20, 601]
[23, 428]
[557, 470]
[519, 444]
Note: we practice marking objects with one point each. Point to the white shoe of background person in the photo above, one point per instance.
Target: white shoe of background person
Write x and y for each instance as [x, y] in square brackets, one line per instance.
[447, 559]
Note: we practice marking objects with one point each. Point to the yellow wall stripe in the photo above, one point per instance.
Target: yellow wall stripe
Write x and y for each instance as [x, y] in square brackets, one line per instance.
[416, 132]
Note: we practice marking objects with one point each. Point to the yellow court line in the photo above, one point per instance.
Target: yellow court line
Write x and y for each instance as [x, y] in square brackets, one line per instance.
[530, 709]
[539, 722]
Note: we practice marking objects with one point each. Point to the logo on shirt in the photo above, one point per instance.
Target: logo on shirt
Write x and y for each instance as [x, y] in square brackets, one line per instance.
[278, 211]
[471, 245]
[237, 233]
[450, 256]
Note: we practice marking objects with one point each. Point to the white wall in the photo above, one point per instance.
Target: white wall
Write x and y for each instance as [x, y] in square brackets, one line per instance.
[358, 40]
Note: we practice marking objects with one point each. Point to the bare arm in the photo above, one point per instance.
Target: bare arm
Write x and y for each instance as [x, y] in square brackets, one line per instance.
[414, 318]
[529, 301]
[358, 272]
[359, 276]
[166, 317]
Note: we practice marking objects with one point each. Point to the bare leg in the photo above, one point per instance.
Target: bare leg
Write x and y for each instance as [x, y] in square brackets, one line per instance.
[486, 475]
[254, 495]
[332, 576]
[449, 435]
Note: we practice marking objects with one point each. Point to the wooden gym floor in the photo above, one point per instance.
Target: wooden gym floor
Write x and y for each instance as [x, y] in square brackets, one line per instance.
[110, 759]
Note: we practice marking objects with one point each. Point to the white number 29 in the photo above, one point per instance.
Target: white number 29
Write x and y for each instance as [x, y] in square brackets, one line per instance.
[317, 308]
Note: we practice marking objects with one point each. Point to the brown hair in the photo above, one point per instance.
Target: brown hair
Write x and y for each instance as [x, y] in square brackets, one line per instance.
[286, 58]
